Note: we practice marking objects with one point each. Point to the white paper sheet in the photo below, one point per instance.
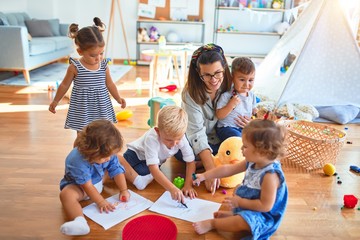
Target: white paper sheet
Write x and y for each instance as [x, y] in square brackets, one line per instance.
[123, 210]
[198, 209]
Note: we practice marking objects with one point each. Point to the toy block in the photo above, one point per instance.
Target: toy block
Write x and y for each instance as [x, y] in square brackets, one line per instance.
[155, 104]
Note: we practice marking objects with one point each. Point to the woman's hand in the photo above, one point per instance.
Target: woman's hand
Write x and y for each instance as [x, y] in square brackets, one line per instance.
[105, 206]
[242, 121]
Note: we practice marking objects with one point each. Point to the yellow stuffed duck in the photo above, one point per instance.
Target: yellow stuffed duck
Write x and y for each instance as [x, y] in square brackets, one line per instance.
[230, 153]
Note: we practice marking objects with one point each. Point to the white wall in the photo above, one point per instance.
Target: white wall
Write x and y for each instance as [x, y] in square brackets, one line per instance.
[83, 11]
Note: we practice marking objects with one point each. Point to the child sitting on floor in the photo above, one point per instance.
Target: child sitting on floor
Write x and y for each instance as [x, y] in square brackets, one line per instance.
[144, 157]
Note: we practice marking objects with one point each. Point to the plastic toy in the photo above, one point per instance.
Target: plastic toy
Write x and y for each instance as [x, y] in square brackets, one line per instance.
[329, 169]
[350, 201]
[355, 169]
[154, 35]
[230, 153]
[124, 115]
[169, 88]
[143, 35]
[155, 104]
[179, 182]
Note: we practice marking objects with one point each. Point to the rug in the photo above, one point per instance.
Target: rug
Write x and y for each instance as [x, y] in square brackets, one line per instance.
[53, 74]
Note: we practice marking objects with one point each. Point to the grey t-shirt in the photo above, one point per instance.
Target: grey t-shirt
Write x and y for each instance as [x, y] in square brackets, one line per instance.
[244, 108]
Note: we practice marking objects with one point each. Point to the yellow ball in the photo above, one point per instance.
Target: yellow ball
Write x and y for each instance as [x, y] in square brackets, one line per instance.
[329, 169]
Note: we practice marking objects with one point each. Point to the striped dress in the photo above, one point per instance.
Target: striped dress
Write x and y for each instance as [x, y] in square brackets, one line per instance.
[90, 99]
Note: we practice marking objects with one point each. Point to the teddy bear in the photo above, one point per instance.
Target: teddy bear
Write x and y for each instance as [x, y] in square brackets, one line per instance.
[143, 35]
[154, 34]
[230, 153]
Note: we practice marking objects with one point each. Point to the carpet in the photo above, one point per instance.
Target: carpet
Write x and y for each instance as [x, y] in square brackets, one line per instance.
[52, 74]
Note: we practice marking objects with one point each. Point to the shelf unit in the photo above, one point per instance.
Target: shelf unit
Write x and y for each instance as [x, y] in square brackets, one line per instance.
[247, 31]
[189, 32]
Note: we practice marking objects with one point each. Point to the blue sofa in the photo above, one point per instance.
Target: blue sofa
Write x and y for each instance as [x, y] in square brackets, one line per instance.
[26, 43]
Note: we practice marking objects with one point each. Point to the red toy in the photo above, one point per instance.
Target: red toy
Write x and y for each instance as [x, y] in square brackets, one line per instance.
[169, 88]
[350, 201]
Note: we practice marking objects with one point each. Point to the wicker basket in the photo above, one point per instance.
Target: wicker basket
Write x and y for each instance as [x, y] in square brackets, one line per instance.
[311, 145]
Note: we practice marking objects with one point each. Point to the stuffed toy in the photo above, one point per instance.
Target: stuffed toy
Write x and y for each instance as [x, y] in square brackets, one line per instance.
[154, 35]
[230, 153]
[143, 35]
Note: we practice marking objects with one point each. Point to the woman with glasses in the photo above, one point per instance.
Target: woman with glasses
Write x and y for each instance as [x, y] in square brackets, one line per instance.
[209, 77]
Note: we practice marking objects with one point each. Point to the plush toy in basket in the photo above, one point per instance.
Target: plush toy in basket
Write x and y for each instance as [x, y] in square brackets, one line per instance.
[312, 145]
[230, 153]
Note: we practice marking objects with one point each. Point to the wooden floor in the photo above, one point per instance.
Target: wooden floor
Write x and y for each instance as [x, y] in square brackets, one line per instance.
[34, 144]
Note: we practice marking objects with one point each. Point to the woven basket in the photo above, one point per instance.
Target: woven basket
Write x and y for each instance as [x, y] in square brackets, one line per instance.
[311, 145]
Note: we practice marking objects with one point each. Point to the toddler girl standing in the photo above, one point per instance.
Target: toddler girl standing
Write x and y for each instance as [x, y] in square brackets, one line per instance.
[90, 98]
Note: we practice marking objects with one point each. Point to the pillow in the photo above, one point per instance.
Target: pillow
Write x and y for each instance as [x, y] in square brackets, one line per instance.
[55, 26]
[3, 20]
[339, 114]
[39, 28]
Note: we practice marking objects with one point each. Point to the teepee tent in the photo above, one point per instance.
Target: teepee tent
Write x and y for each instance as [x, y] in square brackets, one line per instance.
[326, 70]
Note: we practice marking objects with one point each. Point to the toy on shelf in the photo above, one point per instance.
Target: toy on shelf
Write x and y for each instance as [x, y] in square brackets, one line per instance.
[350, 201]
[179, 182]
[230, 153]
[155, 104]
[143, 35]
[154, 34]
[169, 88]
[124, 115]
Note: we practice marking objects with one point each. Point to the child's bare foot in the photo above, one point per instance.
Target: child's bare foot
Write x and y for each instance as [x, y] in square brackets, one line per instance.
[222, 214]
[203, 226]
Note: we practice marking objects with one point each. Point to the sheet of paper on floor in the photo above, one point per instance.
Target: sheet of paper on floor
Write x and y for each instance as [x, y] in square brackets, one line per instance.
[198, 209]
[124, 210]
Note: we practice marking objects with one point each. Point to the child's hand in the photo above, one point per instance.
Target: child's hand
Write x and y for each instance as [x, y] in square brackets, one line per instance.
[105, 206]
[177, 195]
[234, 101]
[232, 202]
[198, 178]
[53, 106]
[188, 191]
[124, 195]
[122, 102]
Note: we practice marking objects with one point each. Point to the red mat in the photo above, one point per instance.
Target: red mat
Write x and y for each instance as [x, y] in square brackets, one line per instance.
[150, 227]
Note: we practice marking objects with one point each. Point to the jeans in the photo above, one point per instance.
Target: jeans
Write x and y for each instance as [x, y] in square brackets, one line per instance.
[226, 132]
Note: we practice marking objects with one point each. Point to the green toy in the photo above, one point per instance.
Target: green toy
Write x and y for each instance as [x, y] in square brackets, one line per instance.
[179, 182]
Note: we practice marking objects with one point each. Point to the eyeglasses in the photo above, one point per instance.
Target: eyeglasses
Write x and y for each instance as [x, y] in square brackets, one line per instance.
[208, 77]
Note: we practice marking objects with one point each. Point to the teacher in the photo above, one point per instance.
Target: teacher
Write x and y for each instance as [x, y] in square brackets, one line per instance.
[209, 76]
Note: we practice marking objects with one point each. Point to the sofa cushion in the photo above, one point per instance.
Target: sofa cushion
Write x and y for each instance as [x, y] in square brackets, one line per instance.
[40, 45]
[55, 26]
[17, 19]
[39, 28]
[3, 19]
[59, 41]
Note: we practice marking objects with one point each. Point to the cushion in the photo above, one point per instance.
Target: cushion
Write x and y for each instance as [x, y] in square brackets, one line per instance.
[339, 114]
[3, 20]
[39, 28]
[55, 26]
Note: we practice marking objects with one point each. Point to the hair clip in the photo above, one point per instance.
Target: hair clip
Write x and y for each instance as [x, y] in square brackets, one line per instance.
[266, 115]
